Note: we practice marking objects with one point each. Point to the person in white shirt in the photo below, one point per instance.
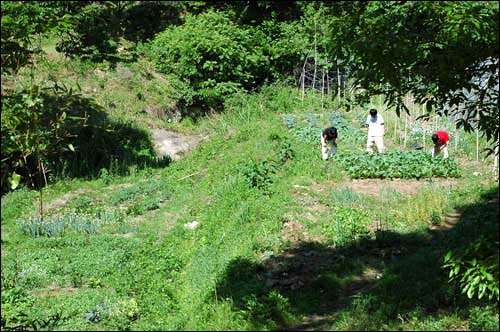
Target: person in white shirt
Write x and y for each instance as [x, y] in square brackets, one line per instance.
[375, 124]
[328, 140]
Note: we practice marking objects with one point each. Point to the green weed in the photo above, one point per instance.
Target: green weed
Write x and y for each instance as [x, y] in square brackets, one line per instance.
[348, 225]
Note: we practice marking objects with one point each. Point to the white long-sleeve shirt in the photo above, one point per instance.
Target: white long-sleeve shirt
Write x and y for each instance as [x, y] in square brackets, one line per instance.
[375, 125]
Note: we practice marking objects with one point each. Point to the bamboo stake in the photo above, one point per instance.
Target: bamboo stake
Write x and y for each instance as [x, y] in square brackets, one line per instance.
[304, 76]
[322, 87]
[190, 175]
[495, 156]
[396, 120]
[424, 125]
[338, 79]
[327, 79]
[406, 125]
[477, 136]
[315, 56]
[406, 121]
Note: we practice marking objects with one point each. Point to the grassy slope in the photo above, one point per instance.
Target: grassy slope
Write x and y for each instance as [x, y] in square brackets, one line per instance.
[206, 278]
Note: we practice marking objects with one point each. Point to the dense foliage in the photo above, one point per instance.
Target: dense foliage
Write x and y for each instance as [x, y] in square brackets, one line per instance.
[213, 54]
[473, 261]
[57, 132]
[444, 53]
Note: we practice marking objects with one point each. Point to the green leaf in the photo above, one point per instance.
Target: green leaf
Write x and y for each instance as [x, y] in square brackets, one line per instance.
[470, 292]
[13, 180]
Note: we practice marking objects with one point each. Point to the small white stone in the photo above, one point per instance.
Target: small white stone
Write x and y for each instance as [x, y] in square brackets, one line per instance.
[192, 225]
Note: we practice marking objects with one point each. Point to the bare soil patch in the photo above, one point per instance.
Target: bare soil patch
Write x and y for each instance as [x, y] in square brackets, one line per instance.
[64, 199]
[295, 232]
[54, 291]
[375, 187]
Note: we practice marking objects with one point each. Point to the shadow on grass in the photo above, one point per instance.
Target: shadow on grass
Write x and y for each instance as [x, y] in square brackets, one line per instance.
[101, 143]
[97, 142]
[380, 280]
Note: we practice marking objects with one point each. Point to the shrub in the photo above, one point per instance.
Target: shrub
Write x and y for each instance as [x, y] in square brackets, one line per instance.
[259, 175]
[475, 268]
[213, 54]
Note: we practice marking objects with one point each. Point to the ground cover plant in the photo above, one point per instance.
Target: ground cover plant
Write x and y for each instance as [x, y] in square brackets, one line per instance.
[398, 164]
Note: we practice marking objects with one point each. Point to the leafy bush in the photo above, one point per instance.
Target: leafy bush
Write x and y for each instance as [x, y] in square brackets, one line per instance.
[397, 164]
[484, 318]
[285, 151]
[118, 314]
[214, 55]
[267, 309]
[21, 22]
[259, 175]
[475, 268]
[70, 134]
[92, 33]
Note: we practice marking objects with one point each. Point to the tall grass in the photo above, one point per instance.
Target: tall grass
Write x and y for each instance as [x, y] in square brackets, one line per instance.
[204, 278]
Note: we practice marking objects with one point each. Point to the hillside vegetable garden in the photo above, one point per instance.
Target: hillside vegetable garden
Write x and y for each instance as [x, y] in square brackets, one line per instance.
[250, 229]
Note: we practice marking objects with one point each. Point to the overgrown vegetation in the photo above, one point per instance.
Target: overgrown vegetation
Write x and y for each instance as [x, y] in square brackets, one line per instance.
[251, 230]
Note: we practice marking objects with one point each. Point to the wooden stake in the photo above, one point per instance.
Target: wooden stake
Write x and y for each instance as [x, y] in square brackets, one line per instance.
[304, 76]
[406, 125]
[396, 120]
[477, 136]
[495, 156]
[315, 56]
[338, 79]
[327, 79]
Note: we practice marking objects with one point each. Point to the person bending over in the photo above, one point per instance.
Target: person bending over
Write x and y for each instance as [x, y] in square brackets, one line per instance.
[328, 141]
[440, 139]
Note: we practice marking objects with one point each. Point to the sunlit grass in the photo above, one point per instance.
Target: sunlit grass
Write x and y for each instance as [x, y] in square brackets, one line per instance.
[174, 273]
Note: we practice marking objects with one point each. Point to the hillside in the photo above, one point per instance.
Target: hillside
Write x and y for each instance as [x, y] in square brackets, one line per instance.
[249, 230]
[162, 166]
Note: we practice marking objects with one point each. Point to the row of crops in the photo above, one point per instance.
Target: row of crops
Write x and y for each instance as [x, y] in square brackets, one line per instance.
[404, 164]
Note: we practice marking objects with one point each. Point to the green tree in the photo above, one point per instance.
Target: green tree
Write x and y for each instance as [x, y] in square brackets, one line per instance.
[444, 53]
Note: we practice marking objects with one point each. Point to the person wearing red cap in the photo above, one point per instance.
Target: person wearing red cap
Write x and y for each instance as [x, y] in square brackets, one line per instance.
[440, 139]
